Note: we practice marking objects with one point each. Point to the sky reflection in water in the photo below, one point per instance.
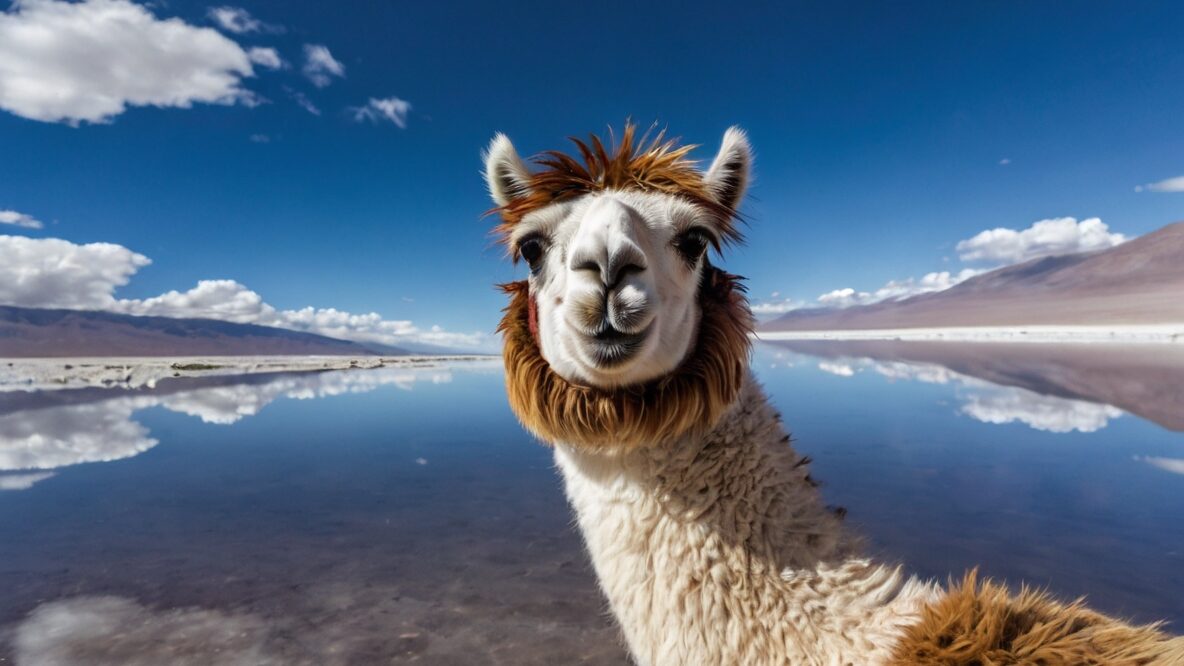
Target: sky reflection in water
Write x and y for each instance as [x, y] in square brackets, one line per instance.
[345, 516]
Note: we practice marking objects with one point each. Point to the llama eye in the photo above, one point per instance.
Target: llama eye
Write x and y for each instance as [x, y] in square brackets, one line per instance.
[692, 244]
[531, 250]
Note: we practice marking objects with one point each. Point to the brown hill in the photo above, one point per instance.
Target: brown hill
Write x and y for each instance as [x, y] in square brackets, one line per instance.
[1138, 282]
[35, 332]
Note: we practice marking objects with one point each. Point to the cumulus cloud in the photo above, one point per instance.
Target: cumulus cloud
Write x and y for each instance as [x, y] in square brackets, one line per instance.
[1168, 185]
[776, 306]
[88, 61]
[228, 300]
[52, 272]
[265, 57]
[896, 290]
[19, 219]
[239, 21]
[994, 248]
[390, 109]
[843, 298]
[1062, 235]
[22, 481]
[320, 66]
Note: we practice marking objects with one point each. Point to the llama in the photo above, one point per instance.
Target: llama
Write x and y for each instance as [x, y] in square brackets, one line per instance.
[627, 351]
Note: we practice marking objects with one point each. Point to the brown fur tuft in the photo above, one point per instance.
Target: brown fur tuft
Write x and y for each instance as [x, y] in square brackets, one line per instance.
[657, 165]
[692, 398]
[981, 624]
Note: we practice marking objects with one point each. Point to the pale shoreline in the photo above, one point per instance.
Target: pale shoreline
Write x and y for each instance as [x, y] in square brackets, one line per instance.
[39, 374]
[1135, 334]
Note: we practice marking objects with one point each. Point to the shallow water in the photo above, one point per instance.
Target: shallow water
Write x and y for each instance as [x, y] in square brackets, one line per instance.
[400, 515]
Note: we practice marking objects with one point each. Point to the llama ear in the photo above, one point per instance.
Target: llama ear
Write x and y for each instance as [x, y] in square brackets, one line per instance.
[729, 173]
[505, 172]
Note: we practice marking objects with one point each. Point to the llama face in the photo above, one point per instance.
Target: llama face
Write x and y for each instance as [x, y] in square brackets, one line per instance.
[615, 271]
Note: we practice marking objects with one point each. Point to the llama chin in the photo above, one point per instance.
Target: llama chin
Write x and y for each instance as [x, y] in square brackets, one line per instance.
[706, 531]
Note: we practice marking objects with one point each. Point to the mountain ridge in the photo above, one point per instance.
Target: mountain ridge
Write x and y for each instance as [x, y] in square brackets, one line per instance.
[54, 332]
[1138, 282]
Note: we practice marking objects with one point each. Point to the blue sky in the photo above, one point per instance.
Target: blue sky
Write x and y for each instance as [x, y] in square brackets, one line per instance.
[881, 133]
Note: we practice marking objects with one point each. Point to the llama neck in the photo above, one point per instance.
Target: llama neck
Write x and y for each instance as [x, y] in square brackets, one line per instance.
[720, 550]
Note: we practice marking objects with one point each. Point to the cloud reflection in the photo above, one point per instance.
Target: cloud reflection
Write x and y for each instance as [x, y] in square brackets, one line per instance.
[838, 369]
[110, 631]
[985, 401]
[1173, 465]
[1042, 412]
[36, 440]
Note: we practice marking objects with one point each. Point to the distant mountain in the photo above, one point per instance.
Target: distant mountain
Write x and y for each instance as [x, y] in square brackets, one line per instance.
[27, 332]
[1138, 282]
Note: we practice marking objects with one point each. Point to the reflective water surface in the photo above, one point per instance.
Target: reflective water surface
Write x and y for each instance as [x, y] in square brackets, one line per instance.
[400, 515]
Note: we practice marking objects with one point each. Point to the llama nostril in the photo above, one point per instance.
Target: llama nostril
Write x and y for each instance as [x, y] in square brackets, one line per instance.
[609, 271]
[619, 273]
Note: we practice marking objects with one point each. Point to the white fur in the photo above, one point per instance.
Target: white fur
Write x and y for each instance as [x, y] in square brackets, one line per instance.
[714, 549]
[506, 174]
[730, 171]
[720, 551]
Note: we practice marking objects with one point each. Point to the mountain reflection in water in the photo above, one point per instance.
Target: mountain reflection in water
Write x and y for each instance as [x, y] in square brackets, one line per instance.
[50, 429]
[1084, 384]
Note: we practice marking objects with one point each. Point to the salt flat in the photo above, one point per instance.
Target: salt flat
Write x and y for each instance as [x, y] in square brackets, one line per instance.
[1139, 334]
[40, 374]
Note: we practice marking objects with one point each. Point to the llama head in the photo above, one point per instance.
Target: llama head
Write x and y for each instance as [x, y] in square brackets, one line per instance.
[622, 313]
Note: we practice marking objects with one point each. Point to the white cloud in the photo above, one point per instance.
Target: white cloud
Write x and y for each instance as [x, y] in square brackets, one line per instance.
[1062, 235]
[776, 306]
[844, 298]
[994, 247]
[22, 481]
[1168, 185]
[88, 61]
[20, 219]
[391, 108]
[265, 57]
[303, 101]
[896, 290]
[320, 66]
[239, 21]
[260, 138]
[1005, 161]
[52, 272]
[1173, 465]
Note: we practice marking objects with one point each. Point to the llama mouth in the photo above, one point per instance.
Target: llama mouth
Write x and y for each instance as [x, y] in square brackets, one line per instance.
[610, 348]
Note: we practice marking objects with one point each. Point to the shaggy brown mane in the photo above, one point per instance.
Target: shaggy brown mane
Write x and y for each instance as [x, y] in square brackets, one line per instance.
[692, 398]
[982, 624]
[649, 165]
